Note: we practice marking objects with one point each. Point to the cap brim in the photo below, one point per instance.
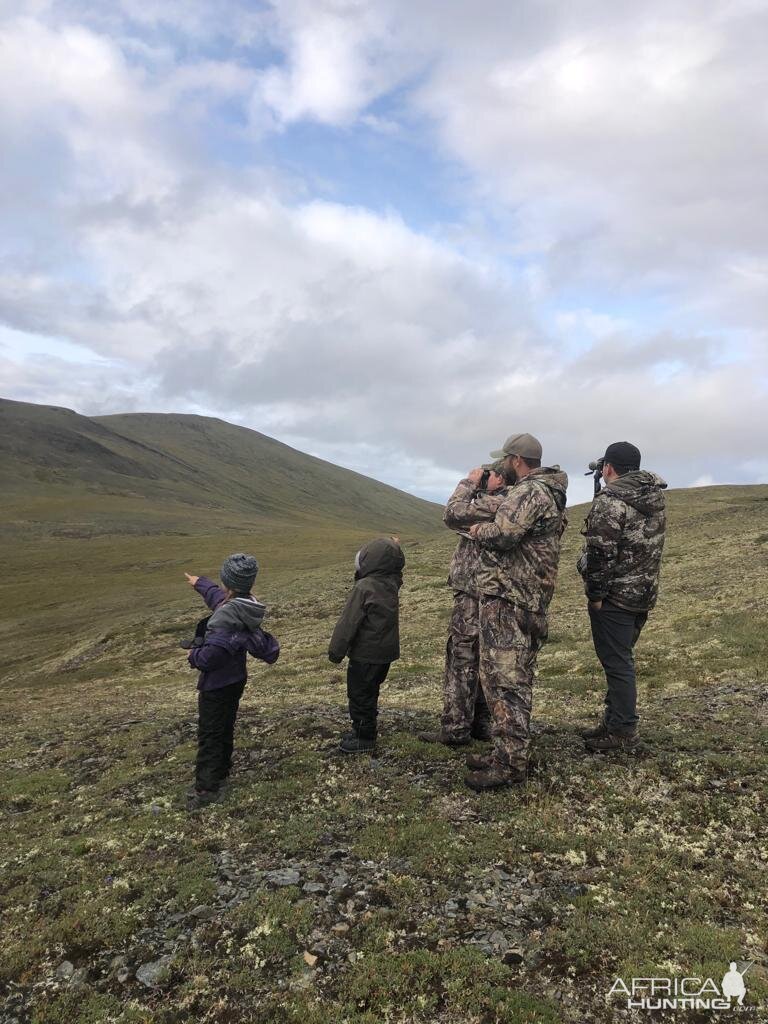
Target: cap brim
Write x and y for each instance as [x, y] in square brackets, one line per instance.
[498, 455]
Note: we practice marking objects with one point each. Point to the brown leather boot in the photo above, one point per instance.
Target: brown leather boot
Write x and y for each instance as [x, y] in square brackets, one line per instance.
[495, 778]
[614, 741]
[596, 733]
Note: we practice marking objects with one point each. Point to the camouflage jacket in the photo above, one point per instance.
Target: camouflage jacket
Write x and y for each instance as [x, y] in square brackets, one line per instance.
[624, 538]
[465, 507]
[520, 549]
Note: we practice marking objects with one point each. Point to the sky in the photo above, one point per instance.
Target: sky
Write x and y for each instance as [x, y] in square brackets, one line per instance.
[392, 233]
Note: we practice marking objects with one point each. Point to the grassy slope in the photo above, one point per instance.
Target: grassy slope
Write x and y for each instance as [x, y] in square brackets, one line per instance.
[161, 469]
[101, 516]
[653, 864]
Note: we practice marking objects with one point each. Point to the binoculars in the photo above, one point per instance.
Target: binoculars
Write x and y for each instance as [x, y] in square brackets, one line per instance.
[596, 469]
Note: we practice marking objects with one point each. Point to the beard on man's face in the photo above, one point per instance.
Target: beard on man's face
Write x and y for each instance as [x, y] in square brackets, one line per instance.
[508, 472]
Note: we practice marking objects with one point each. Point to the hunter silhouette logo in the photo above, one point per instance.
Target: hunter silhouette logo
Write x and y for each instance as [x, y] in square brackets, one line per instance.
[686, 993]
[733, 983]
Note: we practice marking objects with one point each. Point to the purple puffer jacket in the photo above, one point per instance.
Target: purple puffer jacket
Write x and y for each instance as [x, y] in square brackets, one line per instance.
[232, 632]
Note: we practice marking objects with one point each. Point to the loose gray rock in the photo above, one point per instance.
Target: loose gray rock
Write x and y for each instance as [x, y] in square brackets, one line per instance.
[513, 955]
[313, 887]
[283, 876]
[65, 970]
[202, 913]
[149, 974]
[80, 978]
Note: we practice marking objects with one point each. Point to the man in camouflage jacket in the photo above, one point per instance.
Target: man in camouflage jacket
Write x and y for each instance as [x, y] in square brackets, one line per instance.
[517, 570]
[620, 565]
[465, 711]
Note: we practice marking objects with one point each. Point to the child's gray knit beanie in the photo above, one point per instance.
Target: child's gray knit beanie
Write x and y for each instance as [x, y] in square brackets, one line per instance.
[238, 572]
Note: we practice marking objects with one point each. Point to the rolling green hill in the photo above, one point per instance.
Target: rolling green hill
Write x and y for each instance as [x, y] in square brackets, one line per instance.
[187, 469]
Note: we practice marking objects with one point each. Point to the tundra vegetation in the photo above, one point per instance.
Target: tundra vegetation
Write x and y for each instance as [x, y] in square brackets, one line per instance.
[325, 890]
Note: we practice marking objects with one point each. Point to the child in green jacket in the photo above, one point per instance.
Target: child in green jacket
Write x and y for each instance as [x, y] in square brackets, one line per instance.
[368, 633]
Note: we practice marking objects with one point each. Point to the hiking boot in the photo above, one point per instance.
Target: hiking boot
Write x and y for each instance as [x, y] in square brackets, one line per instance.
[595, 733]
[224, 785]
[495, 778]
[610, 741]
[441, 737]
[480, 762]
[351, 743]
[199, 798]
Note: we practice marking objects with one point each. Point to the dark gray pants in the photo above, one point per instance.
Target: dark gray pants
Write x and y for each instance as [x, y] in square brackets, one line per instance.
[217, 711]
[364, 679]
[615, 632]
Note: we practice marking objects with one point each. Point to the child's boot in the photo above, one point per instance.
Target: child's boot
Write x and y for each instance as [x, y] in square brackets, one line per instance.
[199, 798]
[361, 740]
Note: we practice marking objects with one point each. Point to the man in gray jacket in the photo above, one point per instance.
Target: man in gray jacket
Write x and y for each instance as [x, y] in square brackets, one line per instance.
[620, 565]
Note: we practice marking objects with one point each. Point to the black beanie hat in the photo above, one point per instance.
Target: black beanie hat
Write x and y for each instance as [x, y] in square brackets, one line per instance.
[622, 455]
[238, 573]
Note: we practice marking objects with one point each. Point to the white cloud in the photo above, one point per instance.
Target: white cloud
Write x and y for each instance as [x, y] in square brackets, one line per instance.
[339, 56]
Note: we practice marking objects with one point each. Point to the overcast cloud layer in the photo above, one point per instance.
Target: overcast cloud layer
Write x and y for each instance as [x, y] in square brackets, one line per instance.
[392, 233]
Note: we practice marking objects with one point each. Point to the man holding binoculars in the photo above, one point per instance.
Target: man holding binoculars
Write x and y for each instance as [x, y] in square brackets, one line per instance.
[465, 711]
[620, 565]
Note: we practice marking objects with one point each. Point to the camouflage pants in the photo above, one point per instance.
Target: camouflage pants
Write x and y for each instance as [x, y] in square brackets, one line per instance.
[510, 641]
[464, 708]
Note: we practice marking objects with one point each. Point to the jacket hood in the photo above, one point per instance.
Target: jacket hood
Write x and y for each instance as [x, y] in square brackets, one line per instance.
[555, 479]
[240, 614]
[642, 490]
[380, 557]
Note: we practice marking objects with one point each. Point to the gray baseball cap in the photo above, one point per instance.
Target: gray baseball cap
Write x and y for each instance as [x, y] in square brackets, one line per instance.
[525, 445]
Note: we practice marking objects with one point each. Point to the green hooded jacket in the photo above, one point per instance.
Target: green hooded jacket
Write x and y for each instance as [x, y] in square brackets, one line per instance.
[368, 629]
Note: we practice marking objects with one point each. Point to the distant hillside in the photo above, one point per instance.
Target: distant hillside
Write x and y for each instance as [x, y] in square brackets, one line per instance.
[126, 470]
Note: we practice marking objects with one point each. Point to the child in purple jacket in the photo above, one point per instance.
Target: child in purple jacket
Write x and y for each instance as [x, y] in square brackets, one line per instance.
[222, 641]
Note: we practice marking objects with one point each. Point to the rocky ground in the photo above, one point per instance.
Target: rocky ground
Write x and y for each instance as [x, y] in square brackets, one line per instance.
[371, 889]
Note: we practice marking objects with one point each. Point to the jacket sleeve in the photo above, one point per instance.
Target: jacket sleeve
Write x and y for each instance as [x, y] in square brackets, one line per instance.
[348, 625]
[467, 505]
[602, 531]
[208, 657]
[212, 594]
[516, 515]
[264, 646]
